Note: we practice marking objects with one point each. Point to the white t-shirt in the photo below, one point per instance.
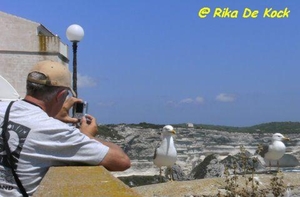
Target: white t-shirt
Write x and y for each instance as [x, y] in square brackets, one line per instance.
[38, 142]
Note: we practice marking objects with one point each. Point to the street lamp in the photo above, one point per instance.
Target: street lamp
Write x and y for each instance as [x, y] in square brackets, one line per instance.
[74, 34]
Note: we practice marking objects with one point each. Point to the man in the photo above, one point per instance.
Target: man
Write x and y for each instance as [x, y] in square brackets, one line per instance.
[38, 136]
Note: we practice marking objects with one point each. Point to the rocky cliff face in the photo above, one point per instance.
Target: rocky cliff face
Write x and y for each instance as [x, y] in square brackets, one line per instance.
[193, 145]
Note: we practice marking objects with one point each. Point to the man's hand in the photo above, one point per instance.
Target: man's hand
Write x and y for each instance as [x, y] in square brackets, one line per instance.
[88, 126]
[63, 114]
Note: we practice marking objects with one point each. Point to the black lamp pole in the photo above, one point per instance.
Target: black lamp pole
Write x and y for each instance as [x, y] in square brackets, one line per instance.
[74, 34]
[75, 67]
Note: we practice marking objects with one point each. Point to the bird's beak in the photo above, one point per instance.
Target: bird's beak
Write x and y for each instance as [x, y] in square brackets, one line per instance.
[286, 138]
[173, 132]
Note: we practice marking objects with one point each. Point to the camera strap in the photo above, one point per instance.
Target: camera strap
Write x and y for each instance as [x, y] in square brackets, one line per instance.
[5, 136]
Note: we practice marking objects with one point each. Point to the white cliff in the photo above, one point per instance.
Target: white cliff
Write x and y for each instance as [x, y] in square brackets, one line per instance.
[192, 145]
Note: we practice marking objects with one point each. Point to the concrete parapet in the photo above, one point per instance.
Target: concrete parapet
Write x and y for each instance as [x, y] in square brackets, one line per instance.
[82, 181]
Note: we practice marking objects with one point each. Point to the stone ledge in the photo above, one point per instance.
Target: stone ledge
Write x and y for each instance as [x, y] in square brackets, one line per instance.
[82, 181]
[211, 186]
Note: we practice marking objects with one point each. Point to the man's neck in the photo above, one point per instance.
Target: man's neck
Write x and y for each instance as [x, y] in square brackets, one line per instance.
[36, 102]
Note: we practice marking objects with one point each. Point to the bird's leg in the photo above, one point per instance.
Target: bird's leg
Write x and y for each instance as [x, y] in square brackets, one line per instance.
[160, 174]
[172, 177]
[277, 165]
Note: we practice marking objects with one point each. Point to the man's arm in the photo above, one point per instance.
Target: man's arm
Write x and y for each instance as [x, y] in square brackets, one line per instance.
[116, 159]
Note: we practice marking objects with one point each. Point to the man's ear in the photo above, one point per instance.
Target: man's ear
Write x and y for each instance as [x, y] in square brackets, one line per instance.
[61, 95]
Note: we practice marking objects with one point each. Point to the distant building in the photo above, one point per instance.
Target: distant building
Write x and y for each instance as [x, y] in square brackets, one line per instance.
[190, 125]
[22, 44]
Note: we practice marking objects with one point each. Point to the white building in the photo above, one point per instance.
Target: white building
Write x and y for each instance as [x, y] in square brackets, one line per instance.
[190, 125]
[22, 44]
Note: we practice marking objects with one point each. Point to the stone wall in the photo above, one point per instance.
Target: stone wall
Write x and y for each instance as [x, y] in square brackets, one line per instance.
[82, 181]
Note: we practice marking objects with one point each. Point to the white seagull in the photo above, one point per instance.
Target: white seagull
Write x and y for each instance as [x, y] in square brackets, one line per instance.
[275, 150]
[166, 154]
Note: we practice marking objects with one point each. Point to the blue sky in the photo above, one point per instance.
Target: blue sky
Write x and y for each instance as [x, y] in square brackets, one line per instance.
[159, 62]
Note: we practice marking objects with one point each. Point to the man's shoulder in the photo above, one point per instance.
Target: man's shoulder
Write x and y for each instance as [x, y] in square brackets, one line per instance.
[4, 104]
[35, 118]
[3, 107]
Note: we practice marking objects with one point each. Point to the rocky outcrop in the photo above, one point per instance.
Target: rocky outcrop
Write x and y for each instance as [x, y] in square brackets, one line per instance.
[287, 160]
[239, 163]
[176, 173]
[243, 162]
[210, 167]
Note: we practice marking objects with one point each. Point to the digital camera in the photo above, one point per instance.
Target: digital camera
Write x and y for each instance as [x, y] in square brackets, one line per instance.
[80, 109]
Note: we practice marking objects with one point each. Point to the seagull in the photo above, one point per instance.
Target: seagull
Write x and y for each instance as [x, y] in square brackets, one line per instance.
[275, 150]
[166, 154]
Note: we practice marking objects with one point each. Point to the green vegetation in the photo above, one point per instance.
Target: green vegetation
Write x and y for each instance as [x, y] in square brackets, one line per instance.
[272, 127]
[106, 131]
[235, 186]
[146, 125]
